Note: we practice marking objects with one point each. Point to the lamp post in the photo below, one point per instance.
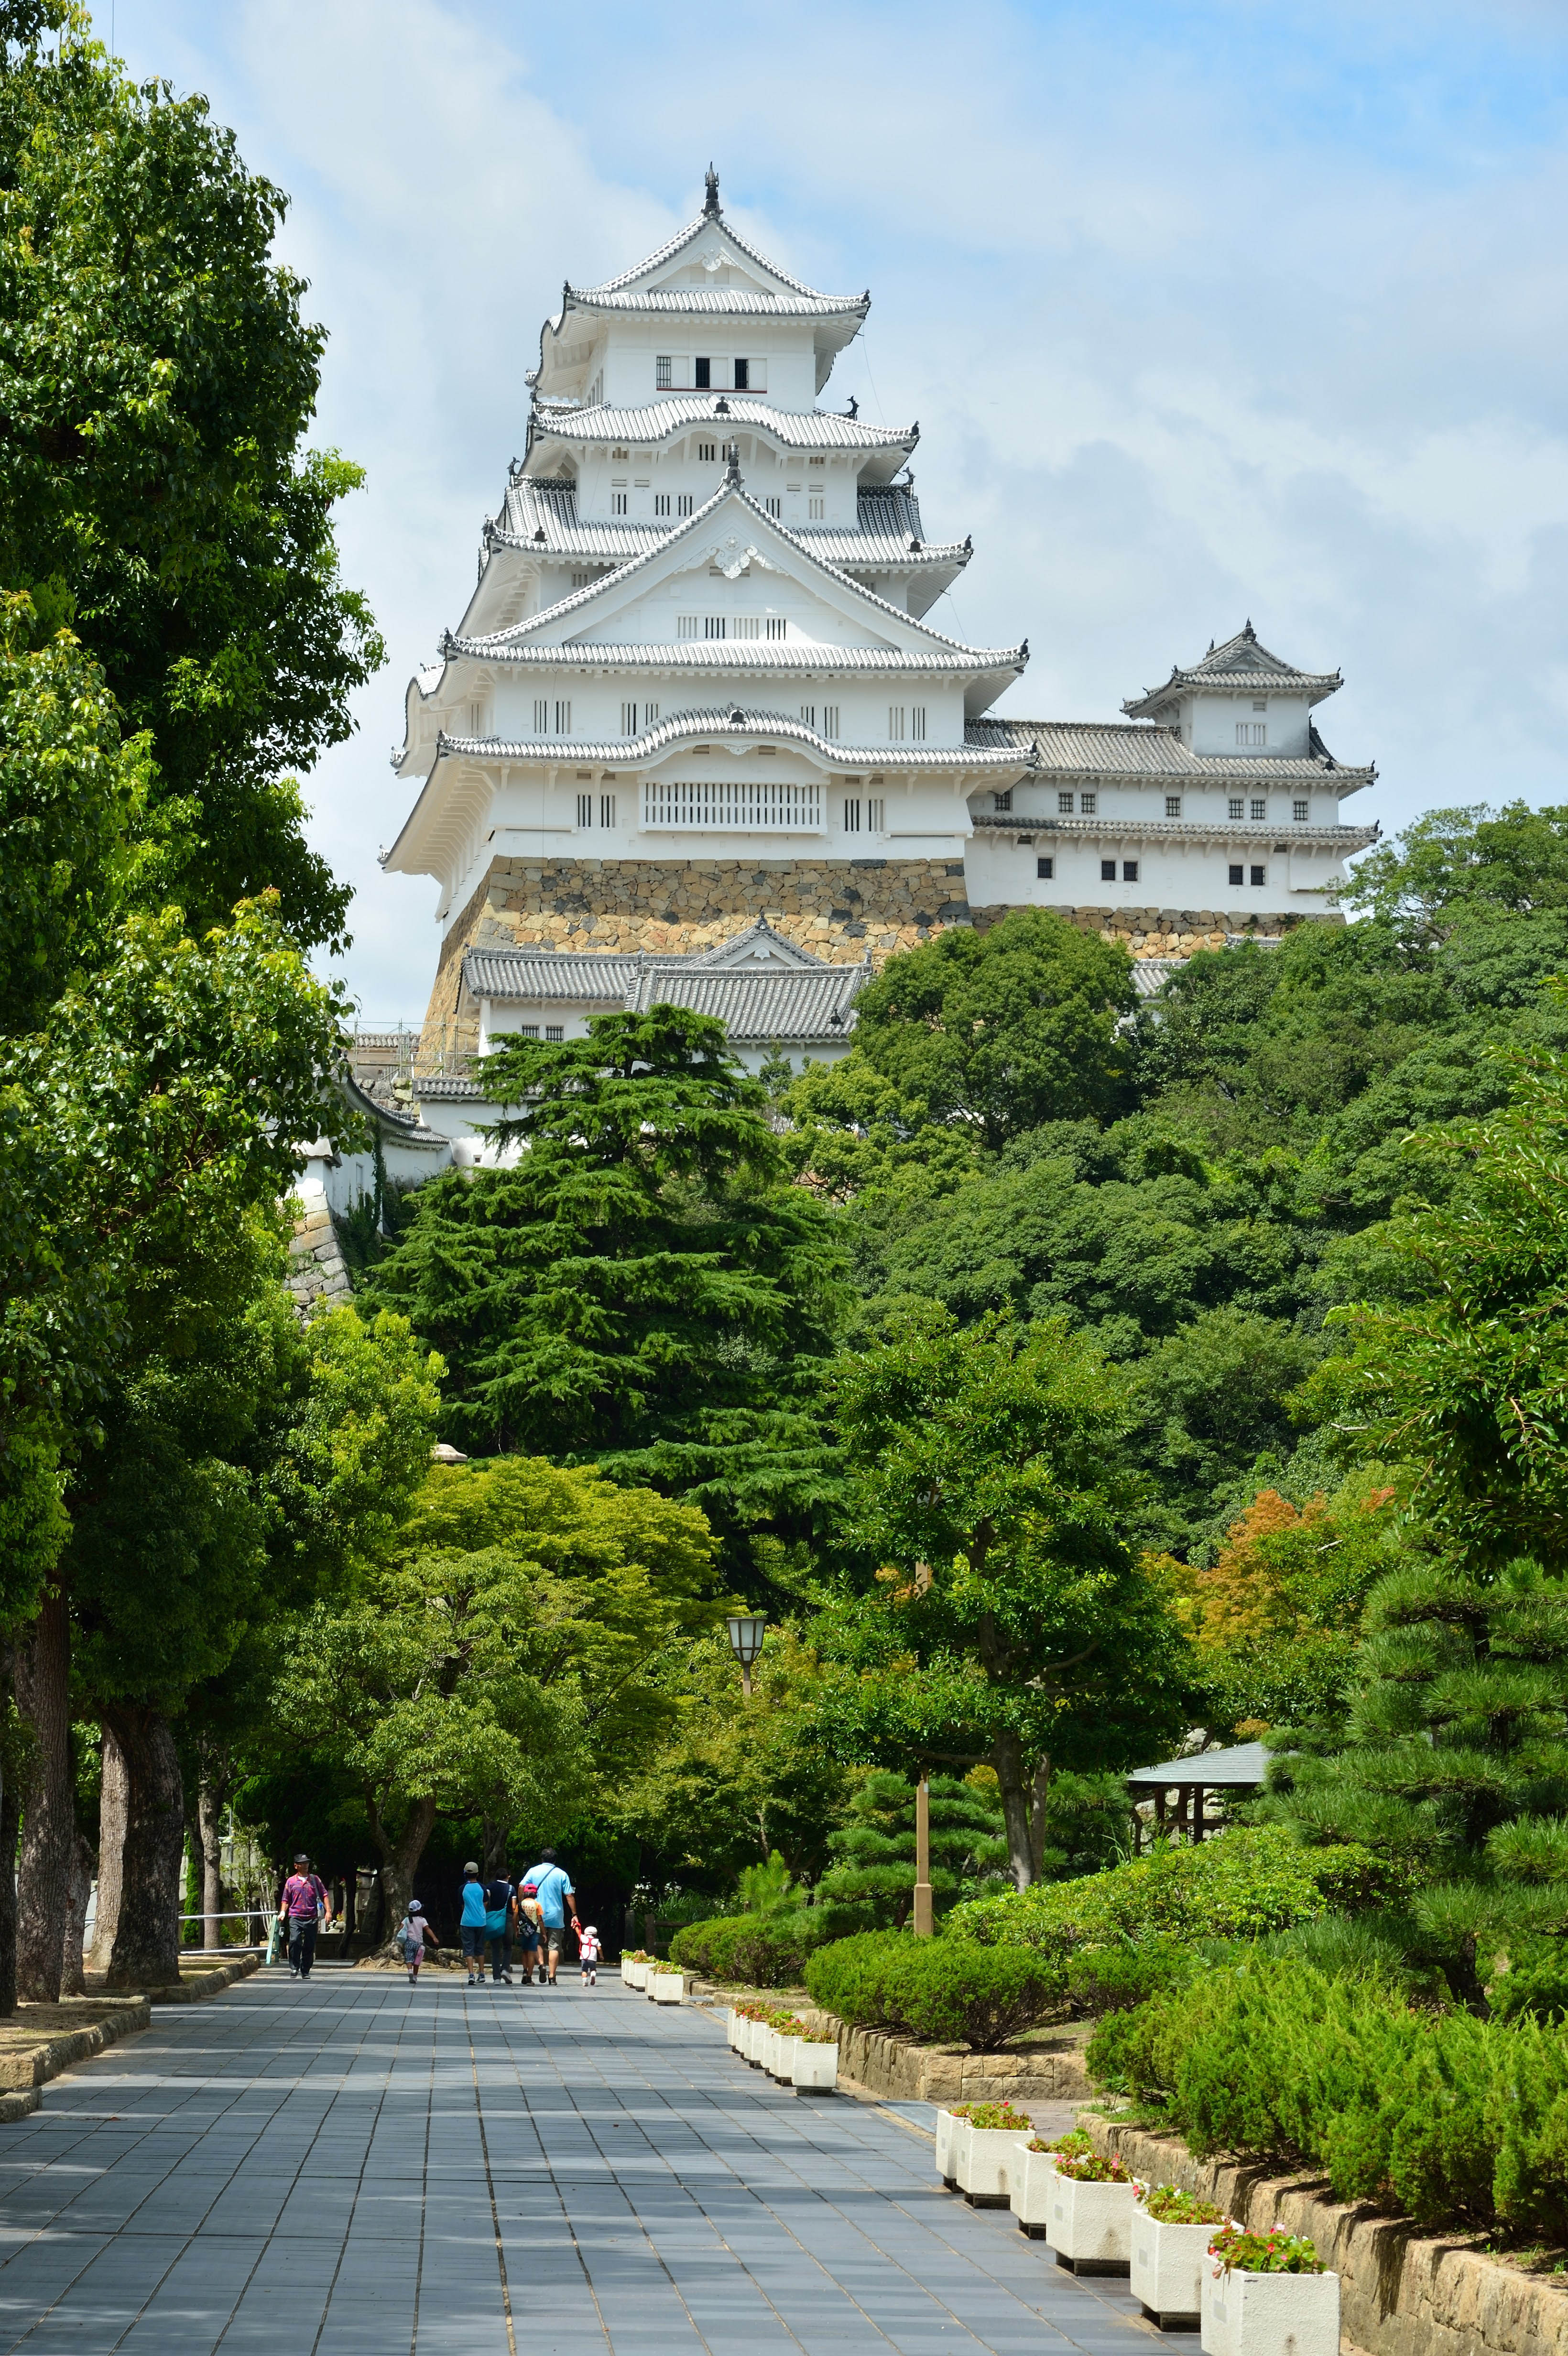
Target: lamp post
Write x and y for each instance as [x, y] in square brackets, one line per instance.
[746, 1634]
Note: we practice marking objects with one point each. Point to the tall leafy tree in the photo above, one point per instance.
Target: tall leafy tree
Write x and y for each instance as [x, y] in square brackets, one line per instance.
[638, 1284]
[997, 1613]
[157, 375]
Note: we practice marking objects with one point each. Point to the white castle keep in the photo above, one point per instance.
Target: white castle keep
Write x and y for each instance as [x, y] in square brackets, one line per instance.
[695, 738]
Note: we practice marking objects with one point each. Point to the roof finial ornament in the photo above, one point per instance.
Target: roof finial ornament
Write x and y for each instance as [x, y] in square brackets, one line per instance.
[1247, 629]
[711, 201]
[732, 472]
[853, 408]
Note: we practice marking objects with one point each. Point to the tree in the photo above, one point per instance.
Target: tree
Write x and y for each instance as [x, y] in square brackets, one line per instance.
[996, 1613]
[158, 378]
[1003, 1029]
[638, 1286]
[1451, 860]
[869, 1885]
[506, 1657]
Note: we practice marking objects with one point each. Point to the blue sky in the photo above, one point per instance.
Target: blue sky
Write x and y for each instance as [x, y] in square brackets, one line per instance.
[1205, 313]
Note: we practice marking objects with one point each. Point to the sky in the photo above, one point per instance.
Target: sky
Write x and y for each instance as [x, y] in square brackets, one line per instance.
[1207, 314]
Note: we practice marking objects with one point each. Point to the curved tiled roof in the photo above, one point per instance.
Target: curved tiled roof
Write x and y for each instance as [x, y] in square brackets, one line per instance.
[759, 984]
[882, 539]
[1085, 748]
[685, 237]
[1344, 839]
[736, 301]
[1242, 666]
[688, 727]
[797, 429]
[726, 654]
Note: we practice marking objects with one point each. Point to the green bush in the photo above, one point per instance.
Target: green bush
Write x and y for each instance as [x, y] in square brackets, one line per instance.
[1535, 1985]
[1450, 2118]
[945, 1991]
[1241, 1884]
[753, 1950]
[1113, 1979]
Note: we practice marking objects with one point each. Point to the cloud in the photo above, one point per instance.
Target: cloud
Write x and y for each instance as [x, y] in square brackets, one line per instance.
[1205, 311]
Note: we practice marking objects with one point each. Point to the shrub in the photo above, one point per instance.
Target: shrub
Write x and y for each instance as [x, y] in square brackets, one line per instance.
[1241, 1884]
[1536, 1984]
[757, 1950]
[1114, 1979]
[1452, 2119]
[945, 1991]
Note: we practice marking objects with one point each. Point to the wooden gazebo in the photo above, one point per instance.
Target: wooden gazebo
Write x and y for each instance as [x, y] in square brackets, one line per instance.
[1243, 1767]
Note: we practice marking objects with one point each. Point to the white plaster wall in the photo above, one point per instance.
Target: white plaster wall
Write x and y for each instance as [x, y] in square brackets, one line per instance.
[1209, 724]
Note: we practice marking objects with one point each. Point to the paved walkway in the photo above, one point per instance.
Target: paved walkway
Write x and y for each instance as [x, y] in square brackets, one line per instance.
[351, 2166]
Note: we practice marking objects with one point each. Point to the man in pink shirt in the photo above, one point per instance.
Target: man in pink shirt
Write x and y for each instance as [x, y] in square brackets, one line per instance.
[304, 1902]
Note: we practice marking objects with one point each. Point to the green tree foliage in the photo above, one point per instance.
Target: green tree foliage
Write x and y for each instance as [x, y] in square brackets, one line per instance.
[1003, 1029]
[869, 1885]
[508, 1653]
[1001, 1617]
[158, 377]
[639, 1285]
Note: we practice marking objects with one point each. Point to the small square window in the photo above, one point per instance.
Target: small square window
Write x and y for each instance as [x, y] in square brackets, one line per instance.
[617, 502]
[661, 503]
[742, 375]
[555, 1030]
[1087, 803]
[1108, 870]
[1173, 805]
[1260, 809]
[1064, 805]
[1046, 870]
[528, 1030]
[1260, 704]
[664, 372]
[1004, 801]
[1259, 878]
[702, 374]
[1300, 812]
[774, 505]
[1236, 807]
[707, 450]
[1129, 871]
[778, 626]
[606, 809]
[683, 503]
[814, 511]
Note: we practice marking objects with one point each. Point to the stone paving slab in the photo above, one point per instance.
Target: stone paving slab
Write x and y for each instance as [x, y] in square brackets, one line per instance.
[349, 2165]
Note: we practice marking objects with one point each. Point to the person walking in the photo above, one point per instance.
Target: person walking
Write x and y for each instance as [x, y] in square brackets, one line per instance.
[471, 1923]
[588, 1953]
[529, 1922]
[415, 1934]
[304, 1904]
[557, 1906]
[500, 1900]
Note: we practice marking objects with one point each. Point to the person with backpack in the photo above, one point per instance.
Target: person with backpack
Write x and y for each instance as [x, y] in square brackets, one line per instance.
[558, 1905]
[471, 1923]
[304, 1902]
[415, 1933]
[528, 1919]
[500, 1898]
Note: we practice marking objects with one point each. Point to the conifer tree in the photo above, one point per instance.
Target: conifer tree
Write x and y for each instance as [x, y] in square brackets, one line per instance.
[869, 1886]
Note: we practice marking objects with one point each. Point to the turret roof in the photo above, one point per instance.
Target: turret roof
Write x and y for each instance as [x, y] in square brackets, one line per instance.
[1241, 667]
[707, 725]
[711, 221]
[542, 516]
[797, 429]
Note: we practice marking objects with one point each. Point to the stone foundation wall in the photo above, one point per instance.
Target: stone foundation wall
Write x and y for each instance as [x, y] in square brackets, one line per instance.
[841, 909]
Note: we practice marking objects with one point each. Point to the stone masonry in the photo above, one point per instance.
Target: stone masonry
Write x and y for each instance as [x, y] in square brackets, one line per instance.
[317, 1270]
[841, 909]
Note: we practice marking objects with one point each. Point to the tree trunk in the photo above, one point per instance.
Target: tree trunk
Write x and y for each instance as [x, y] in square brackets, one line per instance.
[1008, 1759]
[48, 1833]
[73, 1980]
[1038, 1794]
[493, 1850]
[147, 1938]
[110, 1850]
[399, 1859]
[350, 1907]
[209, 1830]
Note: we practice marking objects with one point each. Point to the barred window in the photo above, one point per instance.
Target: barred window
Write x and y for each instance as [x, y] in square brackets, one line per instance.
[555, 1030]
[1045, 869]
[1260, 809]
[1236, 807]
[778, 626]
[1064, 805]
[830, 722]
[1300, 812]
[1173, 805]
[664, 371]
[1003, 801]
[1087, 804]
[683, 503]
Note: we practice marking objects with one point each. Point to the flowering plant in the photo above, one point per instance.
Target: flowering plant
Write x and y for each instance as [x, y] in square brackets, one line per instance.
[1274, 2253]
[989, 2117]
[1072, 2146]
[1092, 2169]
[1168, 2207]
[788, 2024]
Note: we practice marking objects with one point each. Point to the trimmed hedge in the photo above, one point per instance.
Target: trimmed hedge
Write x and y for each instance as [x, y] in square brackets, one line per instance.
[1452, 2119]
[750, 1950]
[1241, 1884]
[945, 1991]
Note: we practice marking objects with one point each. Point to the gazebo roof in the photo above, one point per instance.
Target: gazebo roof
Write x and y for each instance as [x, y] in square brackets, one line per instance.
[1244, 1764]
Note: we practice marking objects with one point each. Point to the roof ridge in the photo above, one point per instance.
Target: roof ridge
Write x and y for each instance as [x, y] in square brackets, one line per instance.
[702, 720]
[682, 239]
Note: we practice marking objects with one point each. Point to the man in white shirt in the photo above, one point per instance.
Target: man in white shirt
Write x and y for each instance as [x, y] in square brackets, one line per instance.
[557, 1906]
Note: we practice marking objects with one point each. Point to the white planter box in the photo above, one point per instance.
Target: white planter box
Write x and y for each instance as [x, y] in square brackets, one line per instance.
[625, 1973]
[815, 2067]
[1170, 2262]
[732, 2028]
[762, 2052]
[781, 2066]
[1269, 2315]
[950, 2152]
[665, 1987]
[1091, 2225]
[990, 2159]
[1030, 2193]
[636, 1975]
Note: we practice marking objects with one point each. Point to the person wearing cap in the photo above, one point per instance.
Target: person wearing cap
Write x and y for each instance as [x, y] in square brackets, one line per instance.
[558, 1905]
[414, 1936]
[527, 1933]
[471, 1923]
[304, 1903]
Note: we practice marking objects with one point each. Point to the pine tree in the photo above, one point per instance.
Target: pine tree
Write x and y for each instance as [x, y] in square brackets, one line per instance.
[869, 1886]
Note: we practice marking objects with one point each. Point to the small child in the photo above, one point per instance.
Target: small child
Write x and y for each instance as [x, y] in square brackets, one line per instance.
[588, 1948]
[414, 1934]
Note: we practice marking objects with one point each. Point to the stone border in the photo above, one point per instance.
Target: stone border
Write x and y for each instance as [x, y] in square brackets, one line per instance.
[23, 2072]
[1403, 2292]
[205, 1979]
[897, 2068]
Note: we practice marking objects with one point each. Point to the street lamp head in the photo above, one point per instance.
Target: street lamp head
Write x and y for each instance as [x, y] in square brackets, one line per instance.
[746, 1634]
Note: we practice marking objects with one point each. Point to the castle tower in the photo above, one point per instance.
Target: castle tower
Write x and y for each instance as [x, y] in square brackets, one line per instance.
[694, 685]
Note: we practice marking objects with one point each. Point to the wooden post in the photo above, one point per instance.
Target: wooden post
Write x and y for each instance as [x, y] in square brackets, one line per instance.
[924, 1921]
[1197, 1812]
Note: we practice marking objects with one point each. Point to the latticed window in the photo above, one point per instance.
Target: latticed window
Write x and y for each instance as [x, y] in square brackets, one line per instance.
[1063, 805]
[1173, 805]
[1300, 812]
